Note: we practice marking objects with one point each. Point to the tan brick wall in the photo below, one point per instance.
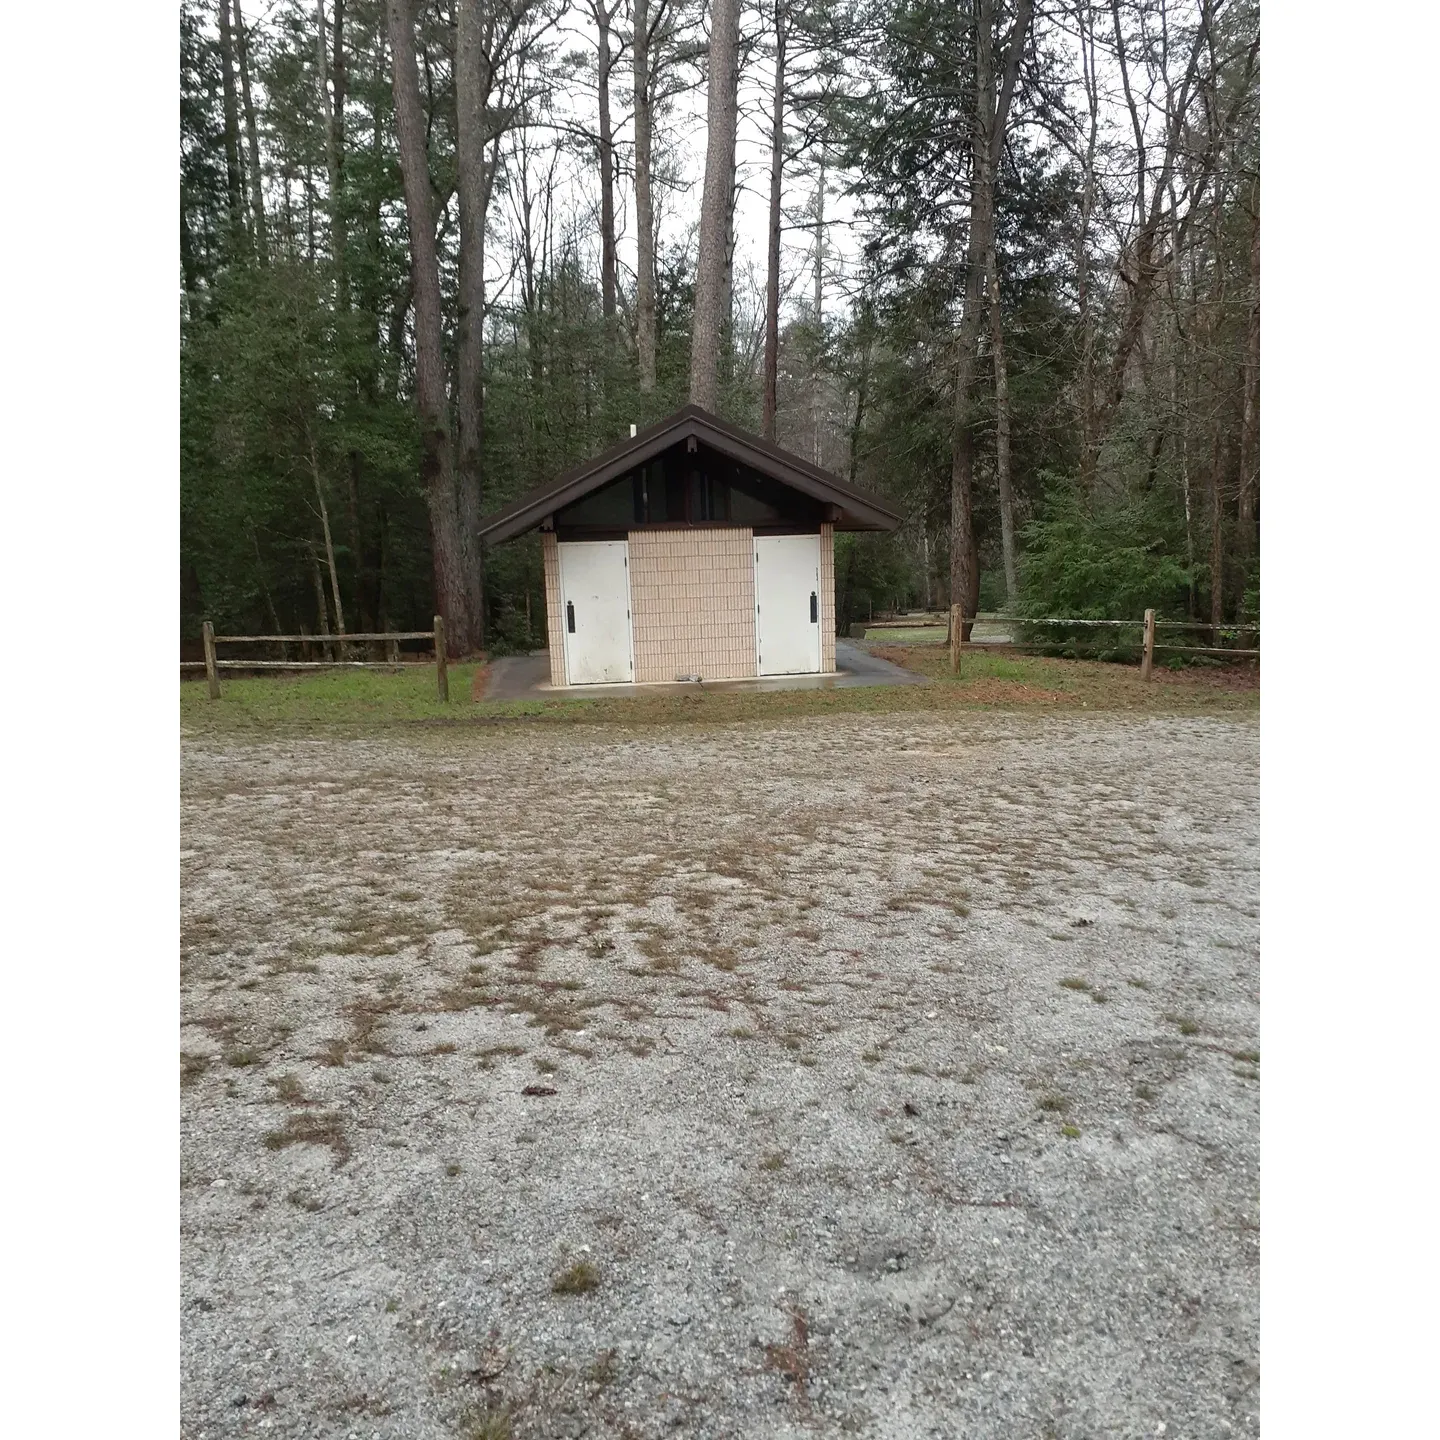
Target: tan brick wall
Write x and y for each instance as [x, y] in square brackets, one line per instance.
[692, 599]
[554, 609]
[827, 598]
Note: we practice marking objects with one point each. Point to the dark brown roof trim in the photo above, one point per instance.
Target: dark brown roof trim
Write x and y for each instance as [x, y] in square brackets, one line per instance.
[862, 509]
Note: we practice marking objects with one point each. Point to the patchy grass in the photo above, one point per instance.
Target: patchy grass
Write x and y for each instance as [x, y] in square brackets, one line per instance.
[578, 1279]
[488, 1056]
[604, 1370]
[288, 1087]
[1074, 982]
[487, 1423]
[369, 699]
[324, 1128]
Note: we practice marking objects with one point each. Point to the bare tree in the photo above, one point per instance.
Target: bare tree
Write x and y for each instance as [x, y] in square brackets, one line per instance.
[1250, 379]
[1002, 431]
[708, 326]
[472, 183]
[772, 247]
[493, 43]
[436, 475]
[604, 15]
[233, 182]
[1143, 258]
[986, 137]
[332, 114]
[252, 137]
[644, 34]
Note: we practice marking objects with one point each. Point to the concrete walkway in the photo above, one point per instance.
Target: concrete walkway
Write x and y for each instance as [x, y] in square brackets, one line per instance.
[527, 677]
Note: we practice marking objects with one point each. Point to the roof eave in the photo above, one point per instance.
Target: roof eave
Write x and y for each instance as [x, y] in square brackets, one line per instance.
[861, 511]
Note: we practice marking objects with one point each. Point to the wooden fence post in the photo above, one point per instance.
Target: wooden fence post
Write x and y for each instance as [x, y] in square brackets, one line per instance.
[957, 635]
[212, 675]
[442, 677]
[1147, 660]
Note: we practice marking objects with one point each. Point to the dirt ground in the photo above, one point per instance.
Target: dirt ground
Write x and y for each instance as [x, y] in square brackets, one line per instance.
[889, 1076]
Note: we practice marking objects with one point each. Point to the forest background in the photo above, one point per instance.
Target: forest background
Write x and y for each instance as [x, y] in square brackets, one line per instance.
[998, 261]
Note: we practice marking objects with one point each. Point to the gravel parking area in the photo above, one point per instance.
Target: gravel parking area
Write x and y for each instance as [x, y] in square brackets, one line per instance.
[889, 1077]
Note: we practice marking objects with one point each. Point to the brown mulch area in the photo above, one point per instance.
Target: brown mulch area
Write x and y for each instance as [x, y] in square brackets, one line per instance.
[1242, 676]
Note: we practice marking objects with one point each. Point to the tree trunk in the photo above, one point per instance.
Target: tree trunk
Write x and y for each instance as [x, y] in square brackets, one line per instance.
[329, 543]
[708, 323]
[322, 613]
[252, 139]
[727, 287]
[964, 559]
[472, 89]
[644, 209]
[1250, 415]
[987, 141]
[333, 120]
[1218, 375]
[1088, 448]
[1217, 532]
[436, 476]
[818, 310]
[608, 284]
[1002, 433]
[772, 249]
[233, 183]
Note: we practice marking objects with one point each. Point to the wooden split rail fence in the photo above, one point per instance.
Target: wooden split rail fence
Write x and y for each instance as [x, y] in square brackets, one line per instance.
[1149, 625]
[392, 638]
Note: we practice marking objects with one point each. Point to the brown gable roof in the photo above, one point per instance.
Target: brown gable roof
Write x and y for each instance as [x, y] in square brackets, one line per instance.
[861, 509]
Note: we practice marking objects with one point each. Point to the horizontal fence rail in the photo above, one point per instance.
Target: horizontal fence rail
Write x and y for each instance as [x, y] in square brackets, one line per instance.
[212, 665]
[1134, 624]
[325, 639]
[1147, 626]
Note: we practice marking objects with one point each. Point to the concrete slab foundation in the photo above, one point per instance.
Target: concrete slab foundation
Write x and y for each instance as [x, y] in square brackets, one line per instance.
[527, 677]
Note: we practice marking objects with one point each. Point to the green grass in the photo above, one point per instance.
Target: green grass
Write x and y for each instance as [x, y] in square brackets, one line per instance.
[907, 634]
[369, 699]
[326, 696]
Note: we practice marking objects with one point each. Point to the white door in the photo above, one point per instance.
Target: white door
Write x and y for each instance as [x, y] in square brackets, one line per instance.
[787, 603]
[595, 601]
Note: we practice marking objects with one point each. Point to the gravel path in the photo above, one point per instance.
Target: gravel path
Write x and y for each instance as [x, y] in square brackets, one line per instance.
[905, 1080]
